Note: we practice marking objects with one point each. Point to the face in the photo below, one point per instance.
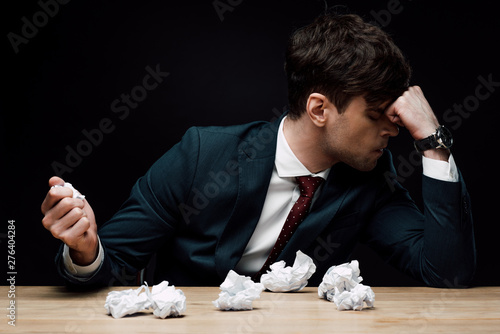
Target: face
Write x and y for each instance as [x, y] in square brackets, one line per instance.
[358, 135]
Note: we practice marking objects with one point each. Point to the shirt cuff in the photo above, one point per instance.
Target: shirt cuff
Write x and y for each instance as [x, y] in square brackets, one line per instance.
[82, 271]
[440, 170]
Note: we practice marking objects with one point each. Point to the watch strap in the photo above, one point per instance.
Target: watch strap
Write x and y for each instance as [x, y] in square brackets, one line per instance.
[426, 143]
[442, 138]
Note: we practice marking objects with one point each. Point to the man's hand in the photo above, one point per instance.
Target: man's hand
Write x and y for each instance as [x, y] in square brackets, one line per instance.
[412, 111]
[72, 221]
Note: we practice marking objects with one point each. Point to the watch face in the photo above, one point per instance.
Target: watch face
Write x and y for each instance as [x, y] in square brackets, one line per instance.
[444, 137]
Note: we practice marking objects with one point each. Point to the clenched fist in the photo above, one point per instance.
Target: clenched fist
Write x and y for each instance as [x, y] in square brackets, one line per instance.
[72, 221]
[412, 111]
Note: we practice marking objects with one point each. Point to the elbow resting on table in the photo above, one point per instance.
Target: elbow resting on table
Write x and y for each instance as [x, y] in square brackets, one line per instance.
[460, 278]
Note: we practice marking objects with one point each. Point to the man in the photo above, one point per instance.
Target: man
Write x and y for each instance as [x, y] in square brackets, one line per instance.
[220, 199]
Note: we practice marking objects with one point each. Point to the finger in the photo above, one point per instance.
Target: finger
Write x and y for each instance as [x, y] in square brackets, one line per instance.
[391, 111]
[55, 180]
[72, 235]
[416, 89]
[59, 226]
[397, 120]
[54, 195]
[60, 210]
[64, 206]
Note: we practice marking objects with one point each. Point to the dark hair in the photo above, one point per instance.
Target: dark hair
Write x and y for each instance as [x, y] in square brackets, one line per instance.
[341, 56]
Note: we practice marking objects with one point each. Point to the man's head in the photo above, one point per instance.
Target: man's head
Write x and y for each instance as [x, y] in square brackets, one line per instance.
[342, 75]
[341, 57]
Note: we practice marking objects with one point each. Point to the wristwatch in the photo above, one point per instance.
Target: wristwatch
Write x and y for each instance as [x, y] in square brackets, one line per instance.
[442, 138]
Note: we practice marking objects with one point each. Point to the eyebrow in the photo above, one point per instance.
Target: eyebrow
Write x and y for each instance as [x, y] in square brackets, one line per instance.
[379, 110]
[378, 107]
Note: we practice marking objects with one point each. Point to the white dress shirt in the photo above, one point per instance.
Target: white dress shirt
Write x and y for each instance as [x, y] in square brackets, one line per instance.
[282, 193]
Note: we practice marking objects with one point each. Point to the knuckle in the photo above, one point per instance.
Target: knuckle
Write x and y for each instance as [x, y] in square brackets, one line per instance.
[67, 202]
[56, 231]
[64, 239]
[42, 207]
[58, 192]
[77, 211]
[46, 222]
[85, 223]
[53, 192]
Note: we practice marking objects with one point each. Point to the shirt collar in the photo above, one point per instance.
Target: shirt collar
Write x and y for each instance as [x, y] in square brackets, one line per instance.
[287, 164]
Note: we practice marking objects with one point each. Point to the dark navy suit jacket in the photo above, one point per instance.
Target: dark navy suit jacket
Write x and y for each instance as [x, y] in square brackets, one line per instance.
[198, 205]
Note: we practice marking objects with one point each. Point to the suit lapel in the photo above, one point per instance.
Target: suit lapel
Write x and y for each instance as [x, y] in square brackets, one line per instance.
[256, 162]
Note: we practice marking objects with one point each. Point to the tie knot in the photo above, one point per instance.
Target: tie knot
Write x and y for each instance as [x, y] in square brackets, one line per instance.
[308, 185]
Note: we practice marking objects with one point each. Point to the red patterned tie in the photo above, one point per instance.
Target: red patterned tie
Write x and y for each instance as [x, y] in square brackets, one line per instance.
[308, 186]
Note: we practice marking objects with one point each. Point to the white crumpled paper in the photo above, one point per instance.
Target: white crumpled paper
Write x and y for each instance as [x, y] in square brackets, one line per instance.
[76, 193]
[166, 301]
[341, 284]
[237, 293]
[125, 302]
[286, 279]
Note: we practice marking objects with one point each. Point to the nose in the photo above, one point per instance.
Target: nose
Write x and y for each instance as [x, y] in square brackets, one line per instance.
[389, 129]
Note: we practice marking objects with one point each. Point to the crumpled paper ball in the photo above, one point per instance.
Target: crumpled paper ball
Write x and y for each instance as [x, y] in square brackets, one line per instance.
[341, 284]
[166, 301]
[125, 302]
[289, 279]
[237, 293]
[353, 300]
[76, 193]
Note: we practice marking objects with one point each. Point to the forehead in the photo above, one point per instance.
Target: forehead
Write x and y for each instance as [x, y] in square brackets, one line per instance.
[378, 106]
[359, 103]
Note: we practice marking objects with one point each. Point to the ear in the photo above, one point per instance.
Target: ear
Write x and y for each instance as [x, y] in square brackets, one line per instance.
[316, 108]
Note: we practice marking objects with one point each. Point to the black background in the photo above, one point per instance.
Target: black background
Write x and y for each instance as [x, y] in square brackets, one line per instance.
[222, 72]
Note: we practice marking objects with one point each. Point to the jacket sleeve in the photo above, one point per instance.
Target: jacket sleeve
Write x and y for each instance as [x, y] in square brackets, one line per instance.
[436, 246]
[147, 220]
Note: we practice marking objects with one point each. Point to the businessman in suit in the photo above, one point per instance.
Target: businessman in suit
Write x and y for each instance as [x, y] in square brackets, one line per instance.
[218, 200]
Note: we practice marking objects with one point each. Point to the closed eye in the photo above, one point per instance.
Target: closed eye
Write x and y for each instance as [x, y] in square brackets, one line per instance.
[375, 111]
[373, 115]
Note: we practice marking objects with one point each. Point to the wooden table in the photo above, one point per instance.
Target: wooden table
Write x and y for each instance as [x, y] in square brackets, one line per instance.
[45, 309]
